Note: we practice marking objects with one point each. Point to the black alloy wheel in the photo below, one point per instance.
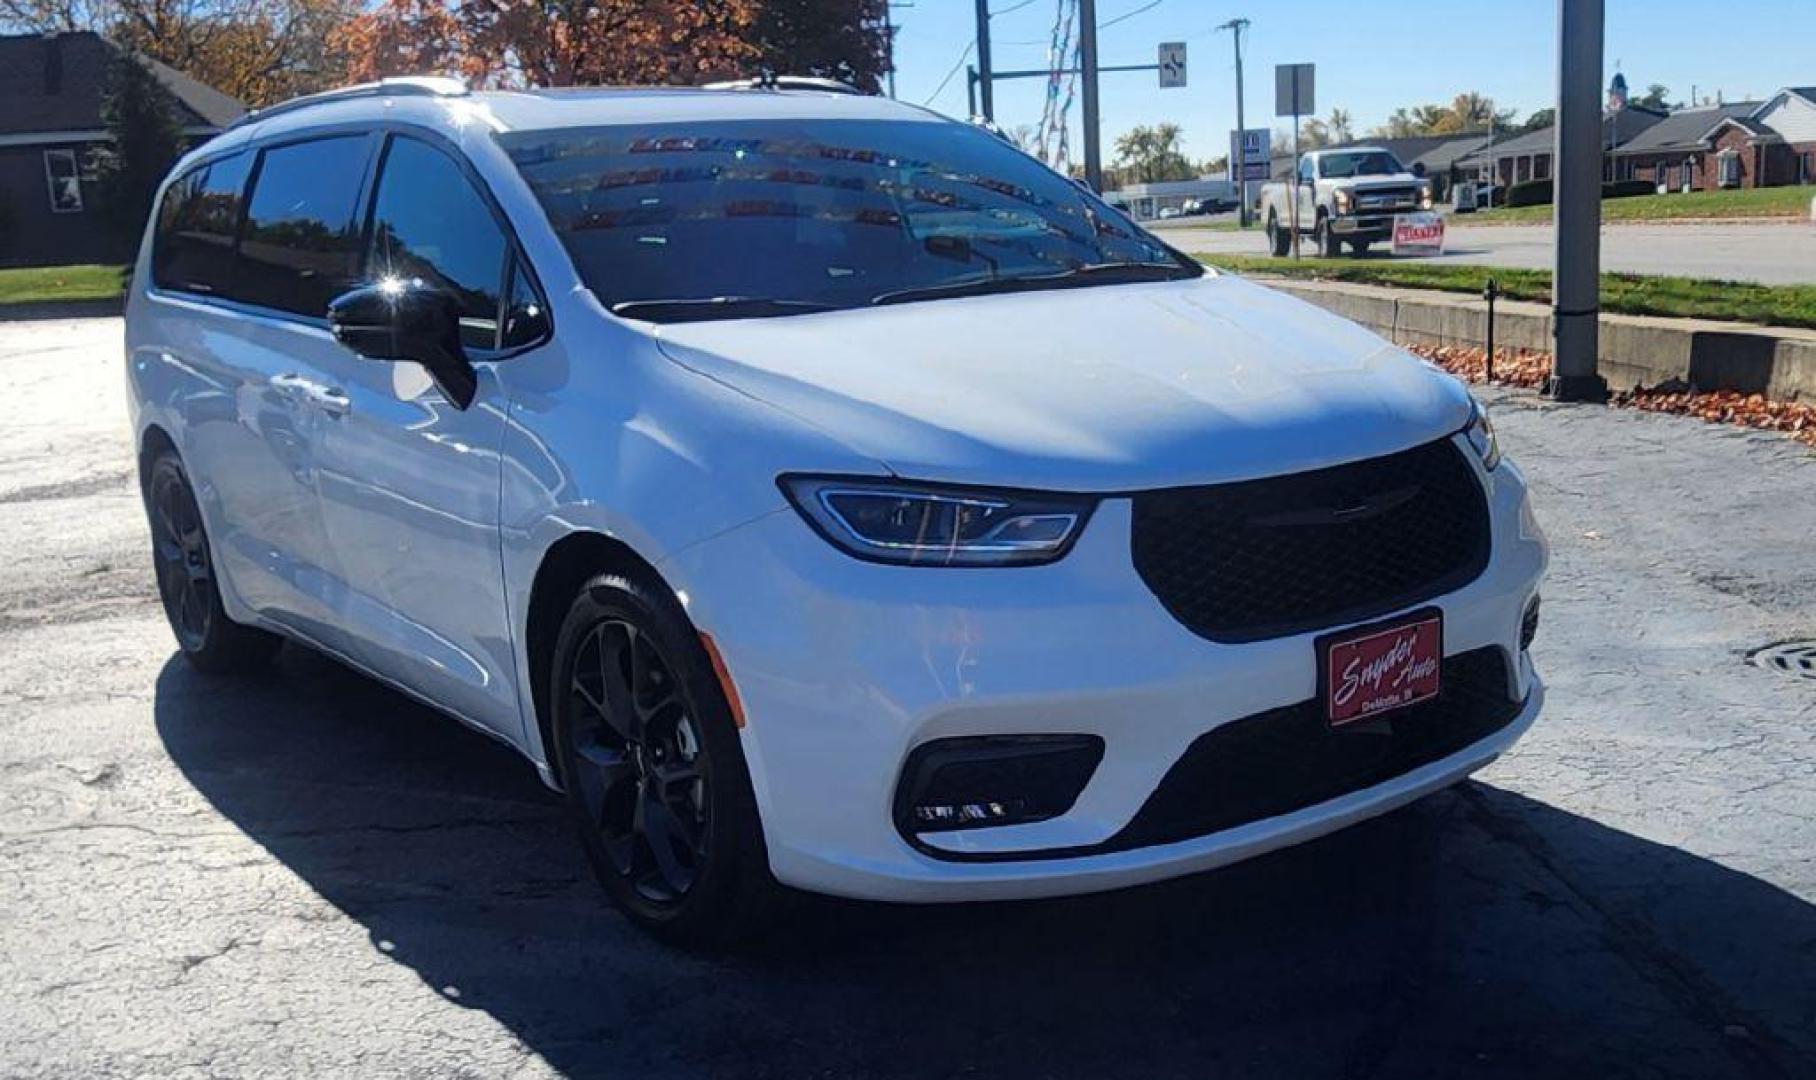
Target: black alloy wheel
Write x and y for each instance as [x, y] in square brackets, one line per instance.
[649, 757]
[179, 552]
[187, 584]
[638, 767]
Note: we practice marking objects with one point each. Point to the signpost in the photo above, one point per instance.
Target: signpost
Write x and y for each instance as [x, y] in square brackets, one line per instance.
[1172, 64]
[1293, 97]
[1248, 161]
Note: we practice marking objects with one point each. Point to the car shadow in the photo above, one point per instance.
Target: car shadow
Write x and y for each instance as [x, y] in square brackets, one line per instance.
[1475, 933]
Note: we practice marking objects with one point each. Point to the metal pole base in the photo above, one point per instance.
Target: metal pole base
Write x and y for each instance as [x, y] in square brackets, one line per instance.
[1589, 388]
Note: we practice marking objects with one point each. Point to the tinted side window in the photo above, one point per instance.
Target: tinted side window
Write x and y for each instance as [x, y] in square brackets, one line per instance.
[429, 223]
[300, 247]
[193, 248]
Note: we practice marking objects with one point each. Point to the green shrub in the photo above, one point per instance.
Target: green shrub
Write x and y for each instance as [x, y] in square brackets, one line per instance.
[1621, 189]
[1529, 193]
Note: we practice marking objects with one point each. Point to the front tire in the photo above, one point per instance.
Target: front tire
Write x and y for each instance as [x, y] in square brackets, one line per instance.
[649, 757]
[187, 584]
[1326, 239]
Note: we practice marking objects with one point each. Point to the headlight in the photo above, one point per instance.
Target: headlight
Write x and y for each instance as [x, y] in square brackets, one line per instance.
[931, 525]
[1480, 433]
[1425, 198]
[1342, 198]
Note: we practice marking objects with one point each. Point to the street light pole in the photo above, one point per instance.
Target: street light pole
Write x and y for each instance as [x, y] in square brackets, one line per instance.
[1240, 165]
[1577, 215]
[1087, 63]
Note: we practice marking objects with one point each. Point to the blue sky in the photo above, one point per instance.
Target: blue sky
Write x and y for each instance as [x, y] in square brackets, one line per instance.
[1503, 48]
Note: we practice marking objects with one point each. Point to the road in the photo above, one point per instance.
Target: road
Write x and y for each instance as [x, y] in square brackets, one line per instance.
[308, 875]
[1775, 254]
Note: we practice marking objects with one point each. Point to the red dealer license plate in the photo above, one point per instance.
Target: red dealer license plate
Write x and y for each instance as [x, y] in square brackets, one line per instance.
[1378, 669]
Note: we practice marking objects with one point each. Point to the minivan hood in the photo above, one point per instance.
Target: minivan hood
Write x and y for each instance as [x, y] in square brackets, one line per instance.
[1109, 388]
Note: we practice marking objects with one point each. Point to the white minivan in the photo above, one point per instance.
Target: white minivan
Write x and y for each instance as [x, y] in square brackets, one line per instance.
[817, 491]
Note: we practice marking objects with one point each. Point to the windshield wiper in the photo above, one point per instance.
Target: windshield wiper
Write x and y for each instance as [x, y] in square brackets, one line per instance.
[716, 307]
[1105, 273]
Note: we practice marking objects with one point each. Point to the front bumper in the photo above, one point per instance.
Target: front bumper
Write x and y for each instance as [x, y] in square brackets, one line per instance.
[844, 667]
[1367, 225]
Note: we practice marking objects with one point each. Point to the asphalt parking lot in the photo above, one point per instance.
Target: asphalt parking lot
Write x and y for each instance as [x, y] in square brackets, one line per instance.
[1775, 253]
[309, 875]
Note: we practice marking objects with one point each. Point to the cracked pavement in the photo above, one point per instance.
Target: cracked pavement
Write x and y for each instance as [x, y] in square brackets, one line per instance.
[310, 875]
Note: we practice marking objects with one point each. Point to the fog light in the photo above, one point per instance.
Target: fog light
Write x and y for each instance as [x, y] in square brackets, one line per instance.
[1529, 624]
[981, 781]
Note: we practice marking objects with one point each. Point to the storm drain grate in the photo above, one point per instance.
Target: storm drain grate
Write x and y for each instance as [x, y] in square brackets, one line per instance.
[1795, 658]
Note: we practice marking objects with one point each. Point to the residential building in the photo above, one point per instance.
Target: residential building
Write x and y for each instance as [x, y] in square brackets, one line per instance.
[50, 124]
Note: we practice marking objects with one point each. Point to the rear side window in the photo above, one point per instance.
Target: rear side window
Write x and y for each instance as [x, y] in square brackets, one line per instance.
[429, 222]
[300, 247]
[193, 248]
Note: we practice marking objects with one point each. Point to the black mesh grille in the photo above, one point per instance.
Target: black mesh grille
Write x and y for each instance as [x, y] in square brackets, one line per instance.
[1267, 558]
[1287, 759]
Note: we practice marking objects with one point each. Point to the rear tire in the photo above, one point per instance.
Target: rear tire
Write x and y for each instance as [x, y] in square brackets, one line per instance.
[187, 584]
[654, 776]
[1278, 242]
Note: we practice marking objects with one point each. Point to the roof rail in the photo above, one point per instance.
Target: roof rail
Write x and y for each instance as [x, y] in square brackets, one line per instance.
[395, 86]
[771, 81]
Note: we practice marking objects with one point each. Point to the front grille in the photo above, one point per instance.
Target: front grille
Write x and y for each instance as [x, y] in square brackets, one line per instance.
[1287, 759]
[1370, 200]
[1267, 558]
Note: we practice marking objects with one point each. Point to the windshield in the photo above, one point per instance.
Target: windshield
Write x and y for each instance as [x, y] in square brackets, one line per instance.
[1360, 163]
[805, 215]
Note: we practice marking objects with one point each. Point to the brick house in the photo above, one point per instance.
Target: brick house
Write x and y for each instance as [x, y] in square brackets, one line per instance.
[1740, 145]
[1519, 158]
[50, 87]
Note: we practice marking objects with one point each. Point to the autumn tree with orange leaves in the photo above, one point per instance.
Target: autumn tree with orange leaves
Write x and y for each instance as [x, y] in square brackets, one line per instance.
[588, 42]
[554, 42]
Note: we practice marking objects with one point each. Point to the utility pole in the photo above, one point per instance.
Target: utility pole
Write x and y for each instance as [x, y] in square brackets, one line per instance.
[985, 80]
[1087, 63]
[892, 26]
[1577, 215]
[1239, 167]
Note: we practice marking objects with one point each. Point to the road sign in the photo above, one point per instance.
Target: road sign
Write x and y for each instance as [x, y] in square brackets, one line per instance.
[1252, 151]
[1293, 90]
[1172, 64]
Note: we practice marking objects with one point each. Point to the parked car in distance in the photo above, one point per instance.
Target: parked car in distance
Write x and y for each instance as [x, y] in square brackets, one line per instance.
[817, 492]
[1344, 196]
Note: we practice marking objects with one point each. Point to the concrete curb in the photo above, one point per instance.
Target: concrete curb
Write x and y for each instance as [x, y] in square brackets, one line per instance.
[1636, 350]
[42, 310]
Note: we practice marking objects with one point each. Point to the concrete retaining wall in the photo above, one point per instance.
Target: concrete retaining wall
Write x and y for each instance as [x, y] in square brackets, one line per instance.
[1636, 350]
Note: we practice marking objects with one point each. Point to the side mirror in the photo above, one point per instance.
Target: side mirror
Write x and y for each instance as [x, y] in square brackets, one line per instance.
[407, 320]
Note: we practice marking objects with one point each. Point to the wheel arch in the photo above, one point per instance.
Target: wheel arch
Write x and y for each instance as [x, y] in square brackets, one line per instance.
[567, 564]
[154, 440]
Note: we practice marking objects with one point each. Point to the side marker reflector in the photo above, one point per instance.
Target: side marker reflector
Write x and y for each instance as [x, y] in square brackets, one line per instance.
[724, 676]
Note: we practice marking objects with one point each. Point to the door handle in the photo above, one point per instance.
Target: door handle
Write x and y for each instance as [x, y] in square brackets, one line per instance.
[329, 399]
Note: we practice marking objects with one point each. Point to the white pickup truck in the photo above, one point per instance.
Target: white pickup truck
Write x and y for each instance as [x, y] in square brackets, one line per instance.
[1348, 195]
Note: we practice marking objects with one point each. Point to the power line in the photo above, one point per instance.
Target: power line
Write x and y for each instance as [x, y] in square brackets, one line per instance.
[962, 57]
[1011, 7]
[1150, 6]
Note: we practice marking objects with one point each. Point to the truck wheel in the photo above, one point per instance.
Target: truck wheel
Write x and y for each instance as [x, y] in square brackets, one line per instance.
[1277, 240]
[1328, 244]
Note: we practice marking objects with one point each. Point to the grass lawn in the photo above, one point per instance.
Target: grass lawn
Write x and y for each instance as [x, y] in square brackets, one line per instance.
[1630, 294]
[1754, 202]
[40, 284]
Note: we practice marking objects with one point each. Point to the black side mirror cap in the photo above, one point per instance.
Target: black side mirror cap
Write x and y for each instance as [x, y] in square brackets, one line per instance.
[407, 320]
